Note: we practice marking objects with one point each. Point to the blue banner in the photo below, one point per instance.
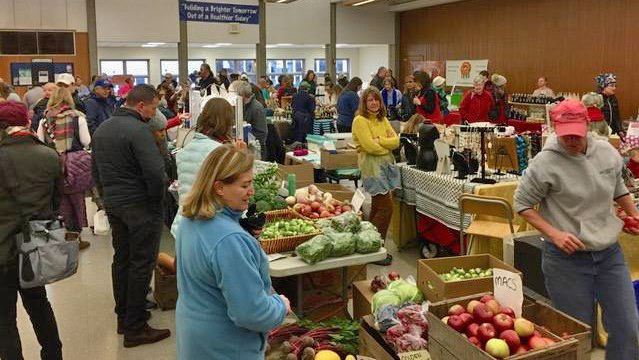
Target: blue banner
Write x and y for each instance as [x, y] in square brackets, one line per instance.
[220, 13]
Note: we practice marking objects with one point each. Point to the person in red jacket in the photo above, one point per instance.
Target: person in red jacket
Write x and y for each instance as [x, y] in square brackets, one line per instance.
[476, 104]
[427, 102]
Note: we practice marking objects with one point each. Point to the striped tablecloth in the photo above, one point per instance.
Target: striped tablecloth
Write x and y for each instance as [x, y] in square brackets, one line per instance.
[436, 195]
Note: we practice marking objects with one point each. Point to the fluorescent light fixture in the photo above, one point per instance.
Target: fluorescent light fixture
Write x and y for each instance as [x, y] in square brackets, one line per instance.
[211, 46]
[281, 1]
[341, 45]
[156, 43]
[363, 2]
[223, 44]
[284, 44]
[149, 45]
[270, 46]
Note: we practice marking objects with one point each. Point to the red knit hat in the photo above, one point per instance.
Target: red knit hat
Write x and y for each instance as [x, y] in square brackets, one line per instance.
[13, 113]
[595, 114]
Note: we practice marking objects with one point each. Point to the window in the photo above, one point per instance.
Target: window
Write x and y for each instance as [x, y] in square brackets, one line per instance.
[37, 42]
[138, 68]
[237, 66]
[292, 67]
[173, 66]
[341, 66]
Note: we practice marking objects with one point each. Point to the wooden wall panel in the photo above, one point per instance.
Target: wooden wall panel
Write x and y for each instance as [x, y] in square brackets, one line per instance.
[80, 61]
[569, 41]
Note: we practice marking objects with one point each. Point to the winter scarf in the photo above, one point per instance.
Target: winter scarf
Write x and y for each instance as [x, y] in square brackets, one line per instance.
[59, 128]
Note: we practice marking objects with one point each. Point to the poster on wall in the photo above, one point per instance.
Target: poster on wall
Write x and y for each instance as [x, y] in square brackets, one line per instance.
[433, 68]
[462, 72]
[219, 13]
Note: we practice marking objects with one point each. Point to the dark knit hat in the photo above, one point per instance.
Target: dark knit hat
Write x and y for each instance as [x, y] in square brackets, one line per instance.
[13, 113]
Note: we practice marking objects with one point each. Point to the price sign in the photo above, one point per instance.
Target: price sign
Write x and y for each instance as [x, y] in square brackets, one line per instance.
[358, 200]
[414, 355]
[509, 290]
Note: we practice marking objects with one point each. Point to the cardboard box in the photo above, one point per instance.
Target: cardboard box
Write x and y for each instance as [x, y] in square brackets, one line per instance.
[338, 191]
[304, 173]
[558, 323]
[436, 289]
[371, 343]
[343, 159]
[447, 344]
[362, 298]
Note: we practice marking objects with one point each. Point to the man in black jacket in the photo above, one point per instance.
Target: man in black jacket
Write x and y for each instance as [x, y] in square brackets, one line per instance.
[130, 176]
[30, 178]
[606, 86]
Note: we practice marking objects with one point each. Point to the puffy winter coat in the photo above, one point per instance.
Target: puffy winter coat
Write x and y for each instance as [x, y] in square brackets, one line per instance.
[189, 160]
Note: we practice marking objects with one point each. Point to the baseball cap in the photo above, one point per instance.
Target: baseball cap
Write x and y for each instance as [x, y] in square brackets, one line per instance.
[66, 79]
[244, 77]
[103, 83]
[570, 117]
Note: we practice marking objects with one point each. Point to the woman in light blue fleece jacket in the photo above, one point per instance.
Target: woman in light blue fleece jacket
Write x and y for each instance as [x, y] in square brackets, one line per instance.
[214, 128]
[575, 179]
[226, 306]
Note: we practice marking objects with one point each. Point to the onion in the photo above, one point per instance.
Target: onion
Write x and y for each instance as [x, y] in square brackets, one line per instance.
[303, 200]
[291, 200]
[312, 189]
[327, 196]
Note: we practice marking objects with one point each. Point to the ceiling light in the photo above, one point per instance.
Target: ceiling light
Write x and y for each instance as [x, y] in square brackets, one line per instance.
[149, 45]
[270, 46]
[281, 1]
[210, 46]
[284, 44]
[223, 44]
[156, 43]
[363, 2]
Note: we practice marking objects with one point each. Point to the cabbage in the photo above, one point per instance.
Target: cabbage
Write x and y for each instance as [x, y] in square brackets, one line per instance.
[406, 292]
[384, 297]
[367, 225]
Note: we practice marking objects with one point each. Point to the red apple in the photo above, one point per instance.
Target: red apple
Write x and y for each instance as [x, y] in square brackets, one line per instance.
[456, 322]
[315, 205]
[471, 306]
[485, 298]
[486, 332]
[482, 313]
[456, 310]
[520, 350]
[493, 305]
[497, 348]
[523, 327]
[475, 341]
[508, 311]
[472, 330]
[503, 322]
[537, 342]
[512, 339]
[468, 319]
[393, 275]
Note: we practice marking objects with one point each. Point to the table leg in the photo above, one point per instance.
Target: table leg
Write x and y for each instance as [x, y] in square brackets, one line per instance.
[300, 295]
[345, 288]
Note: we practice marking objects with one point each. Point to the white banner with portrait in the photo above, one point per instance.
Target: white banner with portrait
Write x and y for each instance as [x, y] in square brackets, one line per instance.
[462, 72]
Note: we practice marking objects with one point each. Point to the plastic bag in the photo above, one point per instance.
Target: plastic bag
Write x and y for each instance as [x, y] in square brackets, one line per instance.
[343, 244]
[101, 224]
[386, 317]
[368, 241]
[409, 342]
[347, 222]
[323, 223]
[413, 315]
[367, 225]
[315, 250]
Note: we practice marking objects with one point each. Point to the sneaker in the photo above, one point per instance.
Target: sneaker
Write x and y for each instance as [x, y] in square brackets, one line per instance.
[147, 316]
[145, 335]
[386, 262]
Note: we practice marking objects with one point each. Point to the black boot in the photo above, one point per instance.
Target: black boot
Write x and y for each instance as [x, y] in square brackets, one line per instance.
[386, 262]
[145, 335]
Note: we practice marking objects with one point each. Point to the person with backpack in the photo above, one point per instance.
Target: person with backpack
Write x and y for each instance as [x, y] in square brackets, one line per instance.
[30, 188]
[65, 130]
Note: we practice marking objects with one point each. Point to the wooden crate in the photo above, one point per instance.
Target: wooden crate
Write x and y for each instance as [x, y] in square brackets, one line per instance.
[447, 344]
[436, 289]
[362, 298]
[558, 322]
[371, 343]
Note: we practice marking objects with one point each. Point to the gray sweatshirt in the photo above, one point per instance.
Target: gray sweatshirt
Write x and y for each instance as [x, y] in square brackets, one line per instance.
[575, 192]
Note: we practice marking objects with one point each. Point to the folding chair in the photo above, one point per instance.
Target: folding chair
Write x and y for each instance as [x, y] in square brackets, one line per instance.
[498, 226]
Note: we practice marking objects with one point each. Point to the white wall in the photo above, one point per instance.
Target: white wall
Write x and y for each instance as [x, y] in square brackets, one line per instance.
[43, 14]
[370, 24]
[371, 58]
[137, 20]
[156, 54]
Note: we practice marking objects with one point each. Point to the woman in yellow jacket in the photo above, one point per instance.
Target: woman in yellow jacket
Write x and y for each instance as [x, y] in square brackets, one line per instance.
[375, 140]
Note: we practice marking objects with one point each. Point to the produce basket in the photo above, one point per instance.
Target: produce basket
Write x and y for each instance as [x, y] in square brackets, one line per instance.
[288, 243]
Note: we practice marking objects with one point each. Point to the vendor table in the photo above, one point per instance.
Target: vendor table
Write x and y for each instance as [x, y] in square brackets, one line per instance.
[294, 266]
[523, 126]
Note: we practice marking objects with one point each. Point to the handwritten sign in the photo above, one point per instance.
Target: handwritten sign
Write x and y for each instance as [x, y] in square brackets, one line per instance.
[358, 200]
[219, 13]
[509, 290]
[414, 355]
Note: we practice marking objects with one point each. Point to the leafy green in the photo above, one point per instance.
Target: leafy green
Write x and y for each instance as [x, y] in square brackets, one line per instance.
[346, 338]
[384, 297]
[343, 244]
[407, 293]
[263, 206]
[316, 249]
[368, 241]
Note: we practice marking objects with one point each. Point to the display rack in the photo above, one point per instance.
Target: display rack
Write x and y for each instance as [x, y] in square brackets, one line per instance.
[482, 130]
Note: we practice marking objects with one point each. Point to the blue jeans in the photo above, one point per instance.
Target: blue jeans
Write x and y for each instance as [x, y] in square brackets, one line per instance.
[576, 281]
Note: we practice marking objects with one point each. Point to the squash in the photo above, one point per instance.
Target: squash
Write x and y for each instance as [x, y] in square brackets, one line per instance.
[327, 355]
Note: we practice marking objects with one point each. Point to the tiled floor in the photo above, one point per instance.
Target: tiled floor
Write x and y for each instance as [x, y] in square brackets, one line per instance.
[83, 306]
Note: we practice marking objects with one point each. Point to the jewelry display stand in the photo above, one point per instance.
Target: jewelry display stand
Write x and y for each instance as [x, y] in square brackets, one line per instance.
[443, 157]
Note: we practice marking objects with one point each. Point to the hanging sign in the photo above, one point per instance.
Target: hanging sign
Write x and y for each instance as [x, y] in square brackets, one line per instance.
[508, 289]
[415, 355]
[462, 72]
[219, 13]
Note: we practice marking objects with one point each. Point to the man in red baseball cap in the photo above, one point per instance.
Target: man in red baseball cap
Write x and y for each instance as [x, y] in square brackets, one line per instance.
[574, 180]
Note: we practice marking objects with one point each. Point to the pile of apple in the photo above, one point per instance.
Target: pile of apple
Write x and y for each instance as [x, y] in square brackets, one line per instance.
[494, 328]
